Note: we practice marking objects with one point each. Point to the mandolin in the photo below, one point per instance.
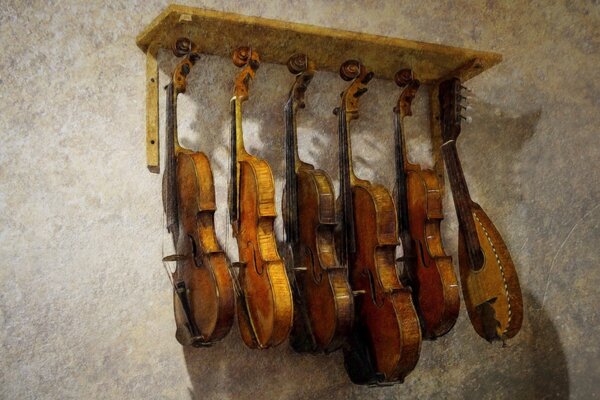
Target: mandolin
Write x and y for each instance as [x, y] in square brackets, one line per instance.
[386, 341]
[324, 305]
[419, 214]
[203, 288]
[488, 276]
[267, 318]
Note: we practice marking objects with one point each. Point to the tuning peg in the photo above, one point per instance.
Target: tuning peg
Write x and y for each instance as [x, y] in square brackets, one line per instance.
[336, 111]
[465, 89]
[360, 92]
[467, 118]
[466, 108]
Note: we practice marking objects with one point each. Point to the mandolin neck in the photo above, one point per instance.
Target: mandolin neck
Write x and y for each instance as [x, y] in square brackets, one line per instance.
[347, 179]
[292, 162]
[401, 174]
[463, 204]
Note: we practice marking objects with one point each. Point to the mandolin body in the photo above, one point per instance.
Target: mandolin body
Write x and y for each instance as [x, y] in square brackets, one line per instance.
[205, 268]
[492, 293]
[323, 281]
[264, 281]
[386, 312]
[436, 285]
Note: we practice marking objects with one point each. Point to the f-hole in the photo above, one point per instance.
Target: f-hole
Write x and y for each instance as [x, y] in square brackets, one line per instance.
[197, 258]
[373, 289]
[309, 257]
[256, 266]
[421, 253]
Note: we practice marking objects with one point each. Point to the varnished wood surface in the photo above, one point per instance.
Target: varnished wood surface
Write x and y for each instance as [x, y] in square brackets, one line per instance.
[203, 268]
[327, 293]
[495, 285]
[220, 33]
[264, 282]
[387, 319]
[431, 271]
[386, 309]
[309, 210]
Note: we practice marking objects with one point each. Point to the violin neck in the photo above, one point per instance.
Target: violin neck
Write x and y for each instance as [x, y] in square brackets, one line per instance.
[401, 173]
[346, 180]
[291, 179]
[236, 145]
[171, 144]
[462, 203]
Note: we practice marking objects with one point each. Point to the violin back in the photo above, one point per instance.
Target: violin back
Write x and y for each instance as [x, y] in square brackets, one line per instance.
[492, 294]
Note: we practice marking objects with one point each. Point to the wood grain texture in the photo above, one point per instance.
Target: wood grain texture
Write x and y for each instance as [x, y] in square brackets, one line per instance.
[419, 202]
[495, 284]
[267, 317]
[220, 33]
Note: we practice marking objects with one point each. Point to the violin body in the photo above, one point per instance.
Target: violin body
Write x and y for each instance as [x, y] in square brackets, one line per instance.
[437, 294]
[265, 311]
[323, 281]
[386, 309]
[324, 304]
[420, 212]
[265, 285]
[204, 298]
[386, 341]
[493, 292]
[205, 269]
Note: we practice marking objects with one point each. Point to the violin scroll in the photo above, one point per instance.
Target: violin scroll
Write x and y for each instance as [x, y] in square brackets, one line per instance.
[304, 69]
[355, 71]
[405, 79]
[247, 59]
[184, 47]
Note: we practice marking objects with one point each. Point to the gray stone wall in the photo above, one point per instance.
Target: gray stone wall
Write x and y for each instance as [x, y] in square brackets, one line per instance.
[85, 306]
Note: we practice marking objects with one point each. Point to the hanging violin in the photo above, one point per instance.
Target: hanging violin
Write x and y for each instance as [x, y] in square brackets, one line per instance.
[324, 305]
[419, 213]
[386, 341]
[488, 276]
[203, 288]
[267, 318]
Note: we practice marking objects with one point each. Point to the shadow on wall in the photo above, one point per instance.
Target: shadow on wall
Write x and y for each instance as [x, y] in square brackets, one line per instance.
[533, 366]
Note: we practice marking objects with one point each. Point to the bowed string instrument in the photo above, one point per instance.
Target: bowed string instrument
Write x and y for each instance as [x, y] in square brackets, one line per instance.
[419, 214]
[488, 276]
[386, 342]
[266, 314]
[203, 288]
[324, 306]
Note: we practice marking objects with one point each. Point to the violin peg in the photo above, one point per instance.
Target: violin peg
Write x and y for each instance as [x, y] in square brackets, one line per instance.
[182, 46]
[468, 119]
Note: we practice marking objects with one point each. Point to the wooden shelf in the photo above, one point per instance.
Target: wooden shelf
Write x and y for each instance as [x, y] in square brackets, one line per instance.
[219, 33]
